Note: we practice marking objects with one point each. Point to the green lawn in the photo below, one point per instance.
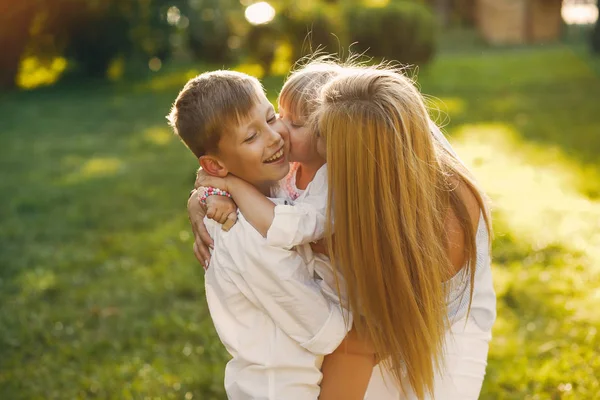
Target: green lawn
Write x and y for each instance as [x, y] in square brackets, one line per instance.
[101, 297]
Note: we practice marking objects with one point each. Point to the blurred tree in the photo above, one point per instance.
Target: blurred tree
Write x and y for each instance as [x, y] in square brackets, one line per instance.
[93, 33]
[211, 27]
[90, 33]
[596, 34]
[15, 24]
[304, 27]
[442, 9]
[261, 43]
[312, 28]
[401, 30]
[451, 12]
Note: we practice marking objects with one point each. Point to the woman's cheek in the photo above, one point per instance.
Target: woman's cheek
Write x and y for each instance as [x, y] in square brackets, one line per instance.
[321, 149]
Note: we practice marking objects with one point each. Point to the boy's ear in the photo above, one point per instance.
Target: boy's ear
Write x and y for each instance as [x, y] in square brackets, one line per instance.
[213, 166]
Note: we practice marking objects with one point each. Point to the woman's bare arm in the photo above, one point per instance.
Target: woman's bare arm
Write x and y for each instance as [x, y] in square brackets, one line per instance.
[347, 371]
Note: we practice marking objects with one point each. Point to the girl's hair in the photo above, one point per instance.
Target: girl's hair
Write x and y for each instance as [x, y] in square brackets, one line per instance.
[301, 88]
[391, 185]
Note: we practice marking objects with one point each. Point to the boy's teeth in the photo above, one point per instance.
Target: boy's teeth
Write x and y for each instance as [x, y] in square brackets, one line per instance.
[276, 156]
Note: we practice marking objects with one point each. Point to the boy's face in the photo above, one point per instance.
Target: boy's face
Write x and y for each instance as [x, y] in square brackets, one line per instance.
[257, 149]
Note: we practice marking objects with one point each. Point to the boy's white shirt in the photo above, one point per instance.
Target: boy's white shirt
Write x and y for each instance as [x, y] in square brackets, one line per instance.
[273, 317]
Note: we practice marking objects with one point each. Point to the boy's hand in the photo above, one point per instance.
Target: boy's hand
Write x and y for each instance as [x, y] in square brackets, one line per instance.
[223, 210]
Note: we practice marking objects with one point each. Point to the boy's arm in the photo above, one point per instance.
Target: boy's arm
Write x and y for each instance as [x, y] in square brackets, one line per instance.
[255, 206]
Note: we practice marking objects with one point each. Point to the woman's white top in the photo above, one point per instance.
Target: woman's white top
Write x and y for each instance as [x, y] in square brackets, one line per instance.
[483, 306]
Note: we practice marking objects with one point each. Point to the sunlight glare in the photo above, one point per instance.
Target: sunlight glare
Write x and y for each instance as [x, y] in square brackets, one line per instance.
[579, 14]
[539, 203]
[154, 64]
[34, 72]
[260, 13]
[173, 15]
[98, 167]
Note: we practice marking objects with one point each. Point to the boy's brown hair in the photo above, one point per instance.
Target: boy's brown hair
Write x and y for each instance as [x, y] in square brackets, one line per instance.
[211, 103]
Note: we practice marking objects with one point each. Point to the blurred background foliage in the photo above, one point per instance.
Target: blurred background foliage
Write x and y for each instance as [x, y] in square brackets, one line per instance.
[109, 38]
[100, 294]
[113, 39]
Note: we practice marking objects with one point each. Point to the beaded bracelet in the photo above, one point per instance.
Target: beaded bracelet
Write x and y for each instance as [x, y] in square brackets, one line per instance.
[211, 191]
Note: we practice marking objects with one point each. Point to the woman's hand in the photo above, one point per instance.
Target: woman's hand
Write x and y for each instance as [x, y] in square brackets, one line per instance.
[202, 240]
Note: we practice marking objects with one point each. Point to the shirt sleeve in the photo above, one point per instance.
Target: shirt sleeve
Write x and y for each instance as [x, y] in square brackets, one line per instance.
[294, 225]
[303, 222]
[280, 284]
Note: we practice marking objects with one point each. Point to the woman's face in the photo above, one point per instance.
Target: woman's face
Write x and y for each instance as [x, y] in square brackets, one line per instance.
[303, 146]
[321, 146]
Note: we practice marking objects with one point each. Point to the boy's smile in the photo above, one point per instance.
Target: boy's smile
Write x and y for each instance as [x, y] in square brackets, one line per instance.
[277, 157]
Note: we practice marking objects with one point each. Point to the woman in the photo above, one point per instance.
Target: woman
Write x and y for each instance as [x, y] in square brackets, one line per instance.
[411, 236]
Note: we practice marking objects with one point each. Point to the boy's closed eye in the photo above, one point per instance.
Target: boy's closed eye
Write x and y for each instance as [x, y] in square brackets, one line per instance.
[251, 137]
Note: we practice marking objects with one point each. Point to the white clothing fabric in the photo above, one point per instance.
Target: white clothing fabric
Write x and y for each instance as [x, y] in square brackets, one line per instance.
[461, 376]
[483, 306]
[270, 314]
[466, 342]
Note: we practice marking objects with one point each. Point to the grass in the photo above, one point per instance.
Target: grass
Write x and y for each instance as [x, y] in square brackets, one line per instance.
[101, 297]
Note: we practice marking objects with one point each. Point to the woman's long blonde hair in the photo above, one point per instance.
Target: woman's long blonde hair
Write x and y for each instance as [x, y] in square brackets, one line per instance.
[391, 186]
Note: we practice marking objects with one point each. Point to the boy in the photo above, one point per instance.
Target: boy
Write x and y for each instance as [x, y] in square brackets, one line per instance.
[268, 311]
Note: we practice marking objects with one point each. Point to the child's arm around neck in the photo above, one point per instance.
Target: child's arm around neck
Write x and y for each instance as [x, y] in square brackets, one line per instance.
[258, 210]
[284, 226]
